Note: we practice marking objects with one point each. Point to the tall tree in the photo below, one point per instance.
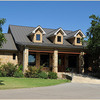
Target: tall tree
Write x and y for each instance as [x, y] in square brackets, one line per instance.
[93, 35]
[2, 37]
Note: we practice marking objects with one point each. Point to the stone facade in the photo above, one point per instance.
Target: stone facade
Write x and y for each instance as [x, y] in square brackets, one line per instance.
[25, 59]
[6, 57]
[55, 61]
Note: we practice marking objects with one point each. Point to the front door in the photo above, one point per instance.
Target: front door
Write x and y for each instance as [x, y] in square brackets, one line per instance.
[61, 63]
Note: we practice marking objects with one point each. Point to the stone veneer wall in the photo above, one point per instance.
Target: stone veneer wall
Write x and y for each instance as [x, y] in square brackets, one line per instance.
[6, 57]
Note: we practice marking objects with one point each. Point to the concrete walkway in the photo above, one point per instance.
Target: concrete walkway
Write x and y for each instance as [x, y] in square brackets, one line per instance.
[80, 79]
[62, 91]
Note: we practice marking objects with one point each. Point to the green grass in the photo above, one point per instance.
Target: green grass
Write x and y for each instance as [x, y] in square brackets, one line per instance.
[14, 83]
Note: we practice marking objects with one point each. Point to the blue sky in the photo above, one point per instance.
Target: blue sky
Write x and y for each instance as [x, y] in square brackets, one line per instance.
[69, 15]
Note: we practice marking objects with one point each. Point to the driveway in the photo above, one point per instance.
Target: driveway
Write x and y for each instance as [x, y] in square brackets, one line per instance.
[62, 91]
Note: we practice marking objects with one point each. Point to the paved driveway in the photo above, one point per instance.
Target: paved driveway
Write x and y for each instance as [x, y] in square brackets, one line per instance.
[62, 91]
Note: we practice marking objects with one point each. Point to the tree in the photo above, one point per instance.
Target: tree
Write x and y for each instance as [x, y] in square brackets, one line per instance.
[93, 35]
[2, 37]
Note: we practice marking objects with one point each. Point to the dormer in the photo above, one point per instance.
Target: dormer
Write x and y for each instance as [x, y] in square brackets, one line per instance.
[56, 36]
[36, 35]
[75, 37]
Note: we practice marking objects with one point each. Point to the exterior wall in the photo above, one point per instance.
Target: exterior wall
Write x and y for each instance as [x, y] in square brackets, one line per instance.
[6, 57]
[55, 40]
[34, 37]
[78, 36]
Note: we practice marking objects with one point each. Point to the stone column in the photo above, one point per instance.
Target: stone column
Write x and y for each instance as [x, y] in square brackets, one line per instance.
[37, 59]
[25, 59]
[81, 62]
[55, 61]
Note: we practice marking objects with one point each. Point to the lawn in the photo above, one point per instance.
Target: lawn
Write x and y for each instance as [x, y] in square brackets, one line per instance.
[14, 83]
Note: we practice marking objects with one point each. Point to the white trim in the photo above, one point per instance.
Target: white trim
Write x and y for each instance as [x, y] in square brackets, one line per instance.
[38, 28]
[80, 32]
[59, 30]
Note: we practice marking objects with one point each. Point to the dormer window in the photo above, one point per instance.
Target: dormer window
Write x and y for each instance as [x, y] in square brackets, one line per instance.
[78, 40]
[58, 38]
[38, 37]
[36, 34]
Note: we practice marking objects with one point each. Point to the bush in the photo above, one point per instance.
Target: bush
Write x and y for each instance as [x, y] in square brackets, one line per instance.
[3, 74]
[18, 74]
[33, 72]
[52, 75]
[43, 75]
[8, 69]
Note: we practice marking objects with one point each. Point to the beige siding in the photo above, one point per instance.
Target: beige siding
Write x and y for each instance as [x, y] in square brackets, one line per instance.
[78, 36]
[55, 40]
[6, 57]
[34, 37]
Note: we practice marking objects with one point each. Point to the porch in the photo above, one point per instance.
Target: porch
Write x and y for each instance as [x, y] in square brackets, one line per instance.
[56, 61]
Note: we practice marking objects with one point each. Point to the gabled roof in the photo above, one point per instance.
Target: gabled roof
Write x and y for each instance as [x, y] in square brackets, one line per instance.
[54, 32]
[38, 27]
[9, 45]
[74, 34]
[20, 35]
[79, 31]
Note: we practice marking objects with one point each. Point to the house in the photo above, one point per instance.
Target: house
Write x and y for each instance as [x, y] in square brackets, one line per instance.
[56, 49]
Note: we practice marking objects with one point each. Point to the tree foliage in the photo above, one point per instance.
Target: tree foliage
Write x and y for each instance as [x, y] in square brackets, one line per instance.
[93, 35]
[2, 37]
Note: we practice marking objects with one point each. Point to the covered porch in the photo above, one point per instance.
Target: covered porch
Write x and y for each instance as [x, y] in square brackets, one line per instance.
[56, 61]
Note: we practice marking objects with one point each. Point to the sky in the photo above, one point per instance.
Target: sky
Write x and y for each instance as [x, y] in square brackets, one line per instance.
[69, 15]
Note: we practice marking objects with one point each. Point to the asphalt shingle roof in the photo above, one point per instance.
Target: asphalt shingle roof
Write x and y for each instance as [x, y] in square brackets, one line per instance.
[71, 34]
[20, 35]
[9, 45]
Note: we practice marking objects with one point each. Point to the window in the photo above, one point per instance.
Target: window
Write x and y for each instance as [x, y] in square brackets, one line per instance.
[44, 60]
[37, 36]
[78, 40]
[14, 56]
[32, 60]
[59, 38]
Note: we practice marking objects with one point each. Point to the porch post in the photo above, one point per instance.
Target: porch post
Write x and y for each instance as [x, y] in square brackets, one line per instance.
[37, 59]
[81, 62]
[55, 61]
[25, 59]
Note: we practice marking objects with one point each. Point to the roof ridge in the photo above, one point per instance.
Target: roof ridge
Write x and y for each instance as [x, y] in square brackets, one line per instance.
[38, 25]
[74, 31]
[22, 26]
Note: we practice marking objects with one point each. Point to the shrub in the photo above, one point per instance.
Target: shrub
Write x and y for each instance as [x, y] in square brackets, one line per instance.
[20, 68]
[43, 75]
[8, 69]
[33, 72]
[3, 74]
[18, 74]
[52, 75]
